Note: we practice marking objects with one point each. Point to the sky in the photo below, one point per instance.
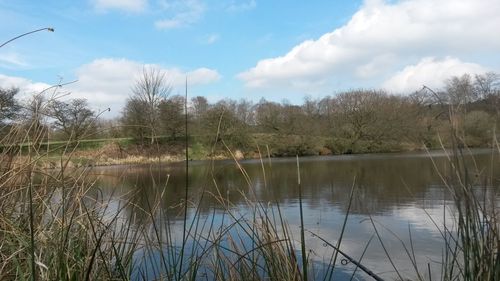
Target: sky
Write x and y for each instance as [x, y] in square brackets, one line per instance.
[245, 49]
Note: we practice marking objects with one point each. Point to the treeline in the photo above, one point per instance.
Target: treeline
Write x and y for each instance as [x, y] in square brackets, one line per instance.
[354, 121]
[349, 122]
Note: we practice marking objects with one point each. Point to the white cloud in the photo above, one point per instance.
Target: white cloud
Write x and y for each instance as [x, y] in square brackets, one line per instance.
[241, 5]
[27, 87]
[430, 72]
[107, 82]
[183, 13]
[200, 76]
[383, 35]
[125, 5]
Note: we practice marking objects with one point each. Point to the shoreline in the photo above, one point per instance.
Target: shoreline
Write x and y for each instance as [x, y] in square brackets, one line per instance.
[79, 162]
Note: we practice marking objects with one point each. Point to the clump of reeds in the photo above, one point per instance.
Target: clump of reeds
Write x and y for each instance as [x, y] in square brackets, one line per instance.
[472, 241]
[50, 227]
[470, 229]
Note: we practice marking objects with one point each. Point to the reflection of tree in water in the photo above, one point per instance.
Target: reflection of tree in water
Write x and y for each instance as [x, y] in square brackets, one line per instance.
[382, 183]
[145, 186]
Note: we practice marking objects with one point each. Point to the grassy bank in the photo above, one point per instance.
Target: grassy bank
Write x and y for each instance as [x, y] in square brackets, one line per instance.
[123, 151]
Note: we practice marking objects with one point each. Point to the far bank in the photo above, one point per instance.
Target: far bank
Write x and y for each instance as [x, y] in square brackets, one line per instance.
[127, 151]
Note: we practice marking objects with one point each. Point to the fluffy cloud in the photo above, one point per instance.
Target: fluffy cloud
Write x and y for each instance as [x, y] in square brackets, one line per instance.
[125, 5]
[183, 13]
[107, 82]
[381, 36]
[26, 86]
[430, 72]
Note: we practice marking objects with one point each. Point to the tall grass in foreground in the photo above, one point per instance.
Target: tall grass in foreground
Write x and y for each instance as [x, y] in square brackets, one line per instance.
[55, 226]
[49, 228]
[472, 242]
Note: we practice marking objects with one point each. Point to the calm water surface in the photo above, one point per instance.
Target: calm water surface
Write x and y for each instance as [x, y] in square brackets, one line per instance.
[400, 192]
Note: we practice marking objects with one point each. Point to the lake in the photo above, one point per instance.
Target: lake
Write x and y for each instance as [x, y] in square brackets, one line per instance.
[403, 195]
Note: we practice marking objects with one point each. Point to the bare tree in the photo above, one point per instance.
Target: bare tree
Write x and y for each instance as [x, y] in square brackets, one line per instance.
[244, 112]
[33, 117]
[372, 116]
[172, 116]
[460, 90]
[310, 107]
[151, 89]
[200, 106]
[294, 120]
[269, 115]
[487, 88]
[221, 120]
[74, 118]
[134, 120]
[486, 84]
[8, 104]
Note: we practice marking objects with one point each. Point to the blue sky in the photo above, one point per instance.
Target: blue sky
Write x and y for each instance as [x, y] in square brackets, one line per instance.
[247, 48]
